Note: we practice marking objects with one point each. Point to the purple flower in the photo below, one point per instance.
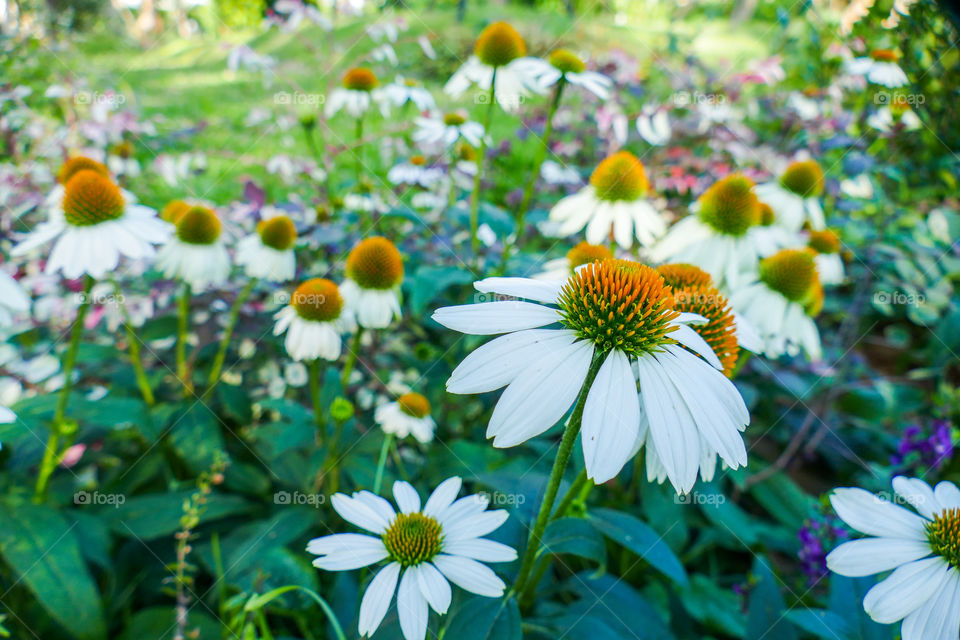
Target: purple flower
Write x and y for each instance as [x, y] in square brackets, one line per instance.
[923, 447]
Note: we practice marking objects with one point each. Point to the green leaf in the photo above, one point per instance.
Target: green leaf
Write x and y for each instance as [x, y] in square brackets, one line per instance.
[196, 437]
[783, 499]
[574, 536]
[429, 282]
[159, 623]
[713, 607]
[635, 535]
[158, 515]
[766, 606]
[821, 623]
[41, 548]
[846, 600]
[486, 619]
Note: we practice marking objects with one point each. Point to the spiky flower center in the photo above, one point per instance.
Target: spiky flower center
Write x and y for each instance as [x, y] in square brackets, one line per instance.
[825, 241]
[317, 300]
[375, 263]
[418, 160]
[360, 79]
[884, 55]
[618, 304]
[620, 176]
[465, 152]
[80, 163]
[567, 61]
[679, 275]
[198, 225]
[719, 331]
[943, 534]
[413, 538]
[730, 206]
[414, 404]
[277, 233]
[91, 198]
[499, 44]
[454, 119]
[174, 210]
[585, 253]
[790, 272]
[803, 178]
[767, 216]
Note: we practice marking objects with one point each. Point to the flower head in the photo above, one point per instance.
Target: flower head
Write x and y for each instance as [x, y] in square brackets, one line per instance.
[824, 242]
[269, 252]
[804, 179]
[499, 44]
[90, 198]
[681, 276]
[80, 163]
[360, 79]
[585, 253]
[620, 176]
[277, 233]
[791, 273]
[313, 321]
[730, 206]
[566, 61]
[317, 300]
[408, 415]
[198, 225]
[375, 263]
[174, 210]
[884, 55]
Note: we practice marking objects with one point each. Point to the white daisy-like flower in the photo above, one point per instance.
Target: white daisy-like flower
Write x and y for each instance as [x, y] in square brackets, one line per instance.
[13, 299]
[556, 174]
[563, 268]
[566, 65]
[268, 253]
[426, 548]
[617, 324]
[779, 305]
[885, 119]
[371, 290]
[723, 236]
[195, 253]
[829, 264]
[880, 67]
[408, 415]
[653, 125]
[806, 108]
[355, 96]
[93, 225]
[613, 203]
[921, 549]
[446, 131]
[296, 11]
[498, 57]
[415, 171]
[405, 90]
[313, 321]
[795, 198]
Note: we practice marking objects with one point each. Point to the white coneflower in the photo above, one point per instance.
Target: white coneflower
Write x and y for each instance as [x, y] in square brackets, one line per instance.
[355, 94]
[93, 225]
[720, 236]
[780, 304]
[795, 198]
[371, 290]
[13, 299]
[498, 53]
[426, 547]
[554, 173]
[404, 91]
[653, 125]
[613, 203]
[565, 65]
[448, 130]
[268, 253]
[618, 323]
[195, 253]
[408, 415]
[880, 67]
[829, 264]
[583, 253]
[922, 549]
[415, 171]
[313, 321]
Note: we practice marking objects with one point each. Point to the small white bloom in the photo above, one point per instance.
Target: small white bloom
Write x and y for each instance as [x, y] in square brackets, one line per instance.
[402, 91]
[795, 197]
[13, 299]
[447, 130]
[371, 289]
[514, 82]
[653, 125]
[566, 65]
[415, 171]
[885, 72]
[557, 174]
[268, 253]
[195, 253]
[313, 321]
[408, 415]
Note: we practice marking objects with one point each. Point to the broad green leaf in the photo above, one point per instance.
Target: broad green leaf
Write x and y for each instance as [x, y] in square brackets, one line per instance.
[713, 606]
[575, 536]
[766, 607]
[157, 515]
[159, 623]
[821, 623]
[486, 619]
[635, 535]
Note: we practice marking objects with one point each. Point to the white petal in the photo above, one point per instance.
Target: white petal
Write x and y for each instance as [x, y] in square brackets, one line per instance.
[919, 494]
[691, 339]
[611, 418]
[406, 496]
[906, 590]
[443, 496]
[481, 549]
[434, 587]
[470, 575]
[874, 555]
[412, 607]
[356, 512]
[939, 618]
[376, 599]
[498, 362]
[495, 317]
[472, 526]
[947, 495]
[539, 290]
[874, 516]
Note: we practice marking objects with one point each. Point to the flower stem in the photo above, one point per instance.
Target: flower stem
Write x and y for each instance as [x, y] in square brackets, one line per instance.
[351, 358]
[382, 462]
[571, 495]
[481, 160]
[359, 149]
[228, 332]
[142, 382]
[58, 428]
[183, 323]
[556, 476]
[537, 163]
[314, 373]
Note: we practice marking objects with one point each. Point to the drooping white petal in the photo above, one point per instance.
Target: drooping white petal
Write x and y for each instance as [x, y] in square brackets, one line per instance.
[473, 526]
[611, 418]
[376, 599]
[412, 607]
[874, 516]
[500, 361]
[489, 318]
[356, 512]
[470, 575]
[905, 590]
[480, 549]
[939, 618]
[434, 587]
[691, 339]
[874, 555]
[528, 288]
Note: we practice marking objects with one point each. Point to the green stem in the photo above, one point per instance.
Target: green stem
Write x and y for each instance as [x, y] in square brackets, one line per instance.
[535, 175]
[314, 371]
[359, 152]
[138, 371]
[228, 332]
[571, 495]
[481, 161]
[382, 462]
[183, 324]
[351, 358]
[398, 461]
[556, 476]
[58, 429]
[741, 362]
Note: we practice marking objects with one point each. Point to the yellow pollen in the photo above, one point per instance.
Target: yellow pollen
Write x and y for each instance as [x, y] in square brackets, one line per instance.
[730, 206]
[90, 198]
[790, 272]
[680, 275]
[277, 233]
[499, 44]
[317, 300]
[943, 535]
[198, 225]
[566, 61]
[620, 176]
[375, 263]
[585, 252]
[414, 404]
[80, 163]
[804, 179]
[413, 539]
[360, 79]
